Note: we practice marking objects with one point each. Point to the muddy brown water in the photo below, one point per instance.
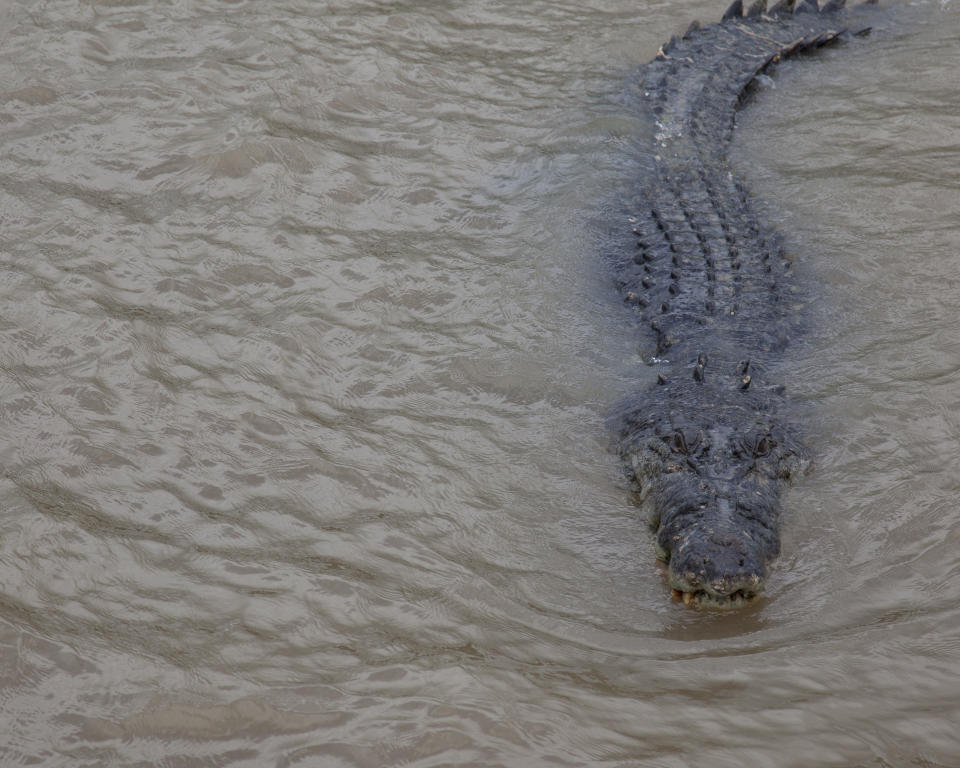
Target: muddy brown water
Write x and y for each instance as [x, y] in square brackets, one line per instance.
[305, 355]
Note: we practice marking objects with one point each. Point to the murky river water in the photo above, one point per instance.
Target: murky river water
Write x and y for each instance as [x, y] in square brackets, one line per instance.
[305, 353]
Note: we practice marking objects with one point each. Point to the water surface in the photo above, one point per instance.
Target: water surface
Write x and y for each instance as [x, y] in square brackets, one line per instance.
[305, 354]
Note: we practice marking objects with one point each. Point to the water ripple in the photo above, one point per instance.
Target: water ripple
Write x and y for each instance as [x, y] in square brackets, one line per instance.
[305, 354]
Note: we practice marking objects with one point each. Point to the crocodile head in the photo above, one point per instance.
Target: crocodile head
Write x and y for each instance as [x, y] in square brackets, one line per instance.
[713, 497]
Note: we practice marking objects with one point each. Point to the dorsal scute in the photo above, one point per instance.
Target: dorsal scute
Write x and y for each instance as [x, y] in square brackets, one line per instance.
[782, 8]
[735, 11]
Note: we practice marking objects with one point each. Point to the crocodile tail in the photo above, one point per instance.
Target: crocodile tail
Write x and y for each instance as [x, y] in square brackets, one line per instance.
[700, 78]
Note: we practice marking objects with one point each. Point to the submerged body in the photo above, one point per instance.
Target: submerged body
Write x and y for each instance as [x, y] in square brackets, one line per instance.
[710, 447]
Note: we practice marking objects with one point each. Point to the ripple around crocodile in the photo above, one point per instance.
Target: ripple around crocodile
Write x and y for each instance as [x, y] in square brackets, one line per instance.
[710, 447]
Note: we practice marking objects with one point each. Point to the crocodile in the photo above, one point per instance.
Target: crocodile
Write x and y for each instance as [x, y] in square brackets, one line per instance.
[711, 445]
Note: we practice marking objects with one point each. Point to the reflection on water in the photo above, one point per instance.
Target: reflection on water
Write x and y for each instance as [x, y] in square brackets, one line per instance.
[305, 352]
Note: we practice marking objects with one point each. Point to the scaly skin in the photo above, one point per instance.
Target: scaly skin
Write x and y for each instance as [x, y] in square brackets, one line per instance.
[710, 447]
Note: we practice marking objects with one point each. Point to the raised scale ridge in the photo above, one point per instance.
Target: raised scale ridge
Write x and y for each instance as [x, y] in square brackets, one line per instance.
[710, 446]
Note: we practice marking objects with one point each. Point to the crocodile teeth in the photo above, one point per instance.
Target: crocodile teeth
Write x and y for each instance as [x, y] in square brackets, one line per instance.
[702, 599]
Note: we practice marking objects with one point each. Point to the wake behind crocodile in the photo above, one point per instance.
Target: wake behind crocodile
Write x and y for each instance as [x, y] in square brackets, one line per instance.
[711, 446]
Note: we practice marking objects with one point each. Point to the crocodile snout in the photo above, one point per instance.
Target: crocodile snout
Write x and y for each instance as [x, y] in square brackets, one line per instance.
[717, 566]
